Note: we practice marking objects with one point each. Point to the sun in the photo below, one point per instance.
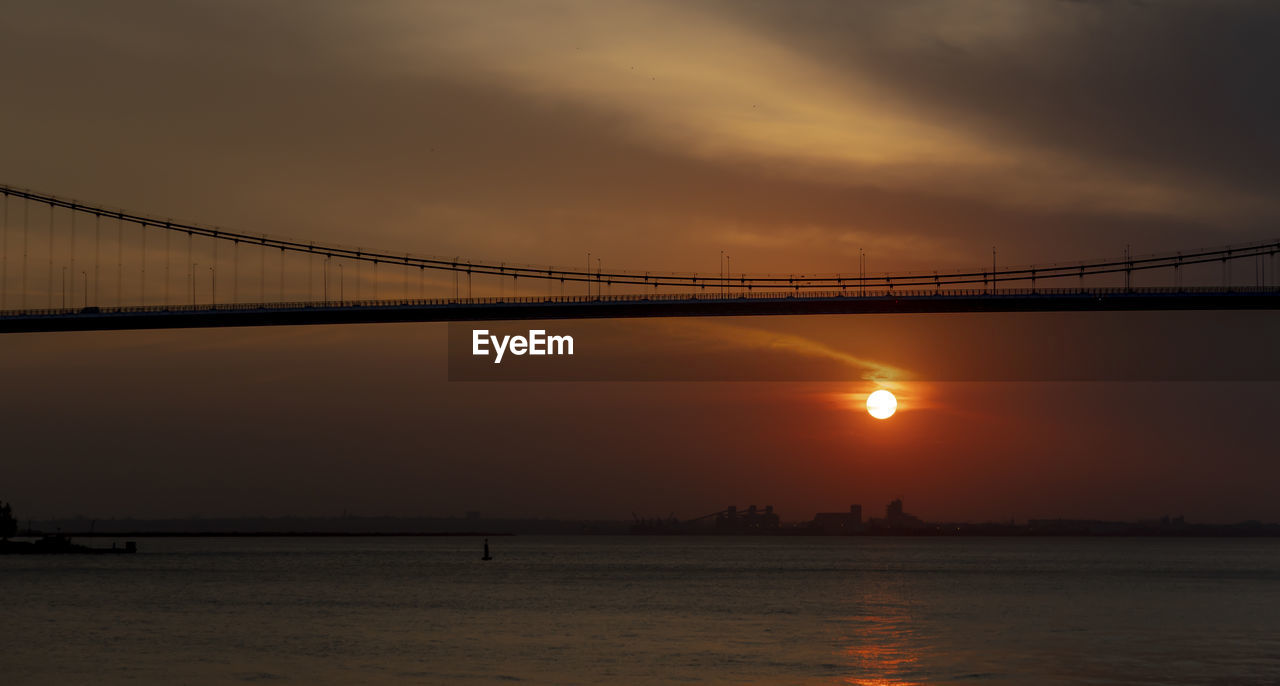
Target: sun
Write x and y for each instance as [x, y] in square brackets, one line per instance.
[881, 404]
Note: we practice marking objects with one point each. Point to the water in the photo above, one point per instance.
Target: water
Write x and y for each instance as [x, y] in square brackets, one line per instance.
[634, 610]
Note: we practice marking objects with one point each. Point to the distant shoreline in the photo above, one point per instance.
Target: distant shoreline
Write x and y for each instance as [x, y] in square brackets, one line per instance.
[423, 527]
[1266, 533]
[265, 534]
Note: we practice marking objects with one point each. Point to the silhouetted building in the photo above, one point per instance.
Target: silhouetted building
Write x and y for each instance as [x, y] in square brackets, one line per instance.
[838, 523]
[733, 520]
[896, 518]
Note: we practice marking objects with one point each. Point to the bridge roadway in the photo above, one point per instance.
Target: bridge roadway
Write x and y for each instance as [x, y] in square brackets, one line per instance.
[635, 306]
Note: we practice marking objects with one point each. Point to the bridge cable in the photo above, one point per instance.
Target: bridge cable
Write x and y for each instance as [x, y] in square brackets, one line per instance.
[191, 270]
[168, 258]
[26, 212]
[49, 287]
[119, 262]
[72, 247]
[142, 231]
[1129, 264]
[4, 271]
[97, 259]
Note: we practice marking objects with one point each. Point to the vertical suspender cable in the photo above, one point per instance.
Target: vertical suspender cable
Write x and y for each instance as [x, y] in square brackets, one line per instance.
[4, 271]
[142, 294]
[73, 249]
[97, 258]
[119, 262]
[26, 212]
[49, 287]
[168, 257]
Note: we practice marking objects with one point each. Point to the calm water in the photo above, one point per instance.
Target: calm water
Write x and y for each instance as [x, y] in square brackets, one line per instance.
[625, 610]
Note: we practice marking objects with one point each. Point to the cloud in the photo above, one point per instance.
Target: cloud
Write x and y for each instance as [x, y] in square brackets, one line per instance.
[957, 102]
[742, 337]
[1147, 98]
[790, 135]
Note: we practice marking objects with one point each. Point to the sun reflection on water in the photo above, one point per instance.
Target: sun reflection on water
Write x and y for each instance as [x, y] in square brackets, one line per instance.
[881, 645]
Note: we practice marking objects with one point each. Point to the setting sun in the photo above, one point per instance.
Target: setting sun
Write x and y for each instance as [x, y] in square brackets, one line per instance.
[881, 404]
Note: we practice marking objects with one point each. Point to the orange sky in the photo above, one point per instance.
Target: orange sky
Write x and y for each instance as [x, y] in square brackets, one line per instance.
[653, 135]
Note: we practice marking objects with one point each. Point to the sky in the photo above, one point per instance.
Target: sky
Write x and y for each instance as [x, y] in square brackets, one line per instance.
[654, 136]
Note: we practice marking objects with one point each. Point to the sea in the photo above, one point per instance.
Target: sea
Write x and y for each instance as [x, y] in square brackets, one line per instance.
[647, 610]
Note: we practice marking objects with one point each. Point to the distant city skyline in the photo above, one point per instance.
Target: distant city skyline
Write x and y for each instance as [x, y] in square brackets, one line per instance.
[732, 519]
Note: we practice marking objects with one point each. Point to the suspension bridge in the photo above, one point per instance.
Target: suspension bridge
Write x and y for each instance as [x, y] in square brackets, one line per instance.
[71, 266]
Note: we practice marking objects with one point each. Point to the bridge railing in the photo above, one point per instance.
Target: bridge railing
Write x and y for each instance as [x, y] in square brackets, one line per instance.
[851, 293]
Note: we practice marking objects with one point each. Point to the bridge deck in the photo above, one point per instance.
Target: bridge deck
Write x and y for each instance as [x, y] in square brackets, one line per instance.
[633, 306]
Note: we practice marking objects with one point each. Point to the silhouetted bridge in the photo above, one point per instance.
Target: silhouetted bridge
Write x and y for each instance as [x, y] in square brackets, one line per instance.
[635, 306]
[95, 277]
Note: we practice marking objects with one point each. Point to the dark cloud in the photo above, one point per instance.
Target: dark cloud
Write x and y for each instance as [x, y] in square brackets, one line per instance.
[1159, 90]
